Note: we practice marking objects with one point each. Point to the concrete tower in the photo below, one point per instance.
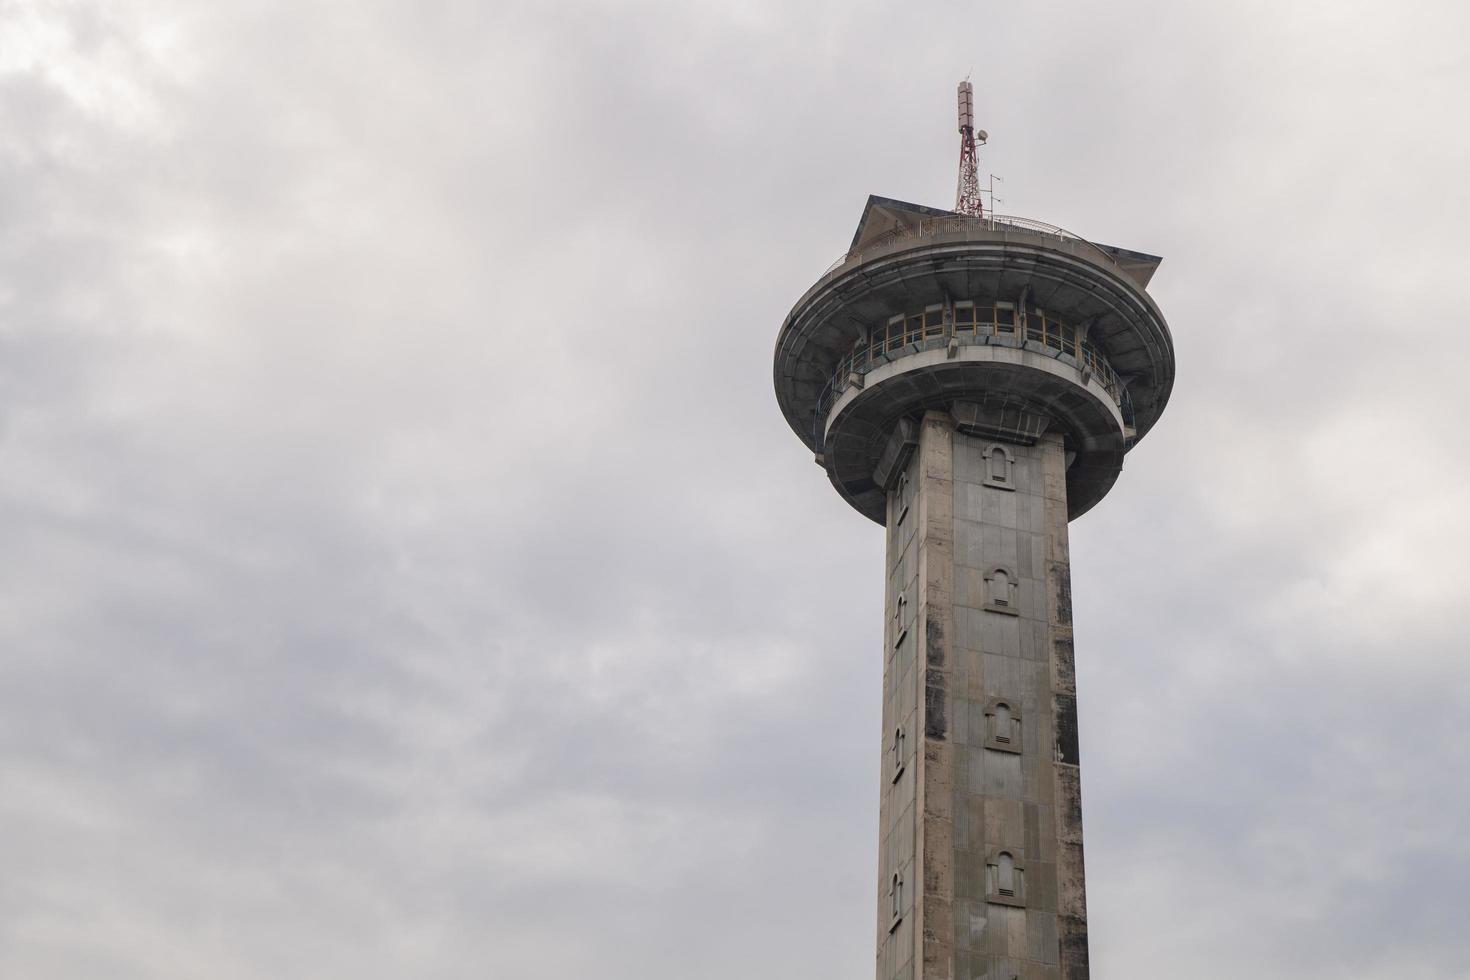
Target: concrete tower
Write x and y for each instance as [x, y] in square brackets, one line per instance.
[972, 383]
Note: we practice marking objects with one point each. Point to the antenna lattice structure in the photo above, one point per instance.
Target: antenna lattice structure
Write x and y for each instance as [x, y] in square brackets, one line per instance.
[967, 194]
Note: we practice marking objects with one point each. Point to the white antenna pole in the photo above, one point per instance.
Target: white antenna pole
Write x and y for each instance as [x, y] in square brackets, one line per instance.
[991, 192]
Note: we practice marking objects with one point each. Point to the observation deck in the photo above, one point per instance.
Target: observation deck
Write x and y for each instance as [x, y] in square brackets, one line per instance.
[1015, 326]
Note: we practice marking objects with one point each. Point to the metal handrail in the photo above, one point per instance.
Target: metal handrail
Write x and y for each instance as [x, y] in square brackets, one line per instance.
[930, 227]
[1083, 355]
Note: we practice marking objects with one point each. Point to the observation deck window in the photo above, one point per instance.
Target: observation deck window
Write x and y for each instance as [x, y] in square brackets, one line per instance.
[894, 338]
[1005, 321]
[964, 317]
[934, 321]
[1035, 329]
[1069, 340]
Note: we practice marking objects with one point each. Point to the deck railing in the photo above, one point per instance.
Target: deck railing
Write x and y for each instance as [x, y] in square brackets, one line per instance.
[912, 334]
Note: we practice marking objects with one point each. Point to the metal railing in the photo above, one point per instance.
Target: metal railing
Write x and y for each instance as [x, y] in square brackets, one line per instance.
[920, 332]
[961, 223]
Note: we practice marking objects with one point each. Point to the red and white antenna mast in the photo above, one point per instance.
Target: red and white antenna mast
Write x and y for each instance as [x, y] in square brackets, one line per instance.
[967, 195]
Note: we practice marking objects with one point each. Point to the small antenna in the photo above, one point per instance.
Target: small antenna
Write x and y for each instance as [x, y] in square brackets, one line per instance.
[991, 194]
[967, 193]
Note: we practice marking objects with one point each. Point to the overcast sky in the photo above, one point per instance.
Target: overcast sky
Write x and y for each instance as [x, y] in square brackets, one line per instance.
[405, 570]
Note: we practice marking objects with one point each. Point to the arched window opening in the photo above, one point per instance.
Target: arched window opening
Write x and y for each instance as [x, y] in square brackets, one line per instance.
[1003, 722]
[1006, 878]
[1003, 726]
[895, 894]
[1002, 592]
[1000, 588]
[998, 467]
[1006, 875]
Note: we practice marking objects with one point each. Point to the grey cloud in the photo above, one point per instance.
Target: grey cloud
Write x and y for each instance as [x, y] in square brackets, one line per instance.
[407, 570]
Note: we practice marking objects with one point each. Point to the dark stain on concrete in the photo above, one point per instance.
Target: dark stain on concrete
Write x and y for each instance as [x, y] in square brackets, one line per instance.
[1072, 931]
[936, 725]
[1066, 729]
[936, 721]
[1069, 809]
[1061, 587]
[933, 641]
[1066, 664]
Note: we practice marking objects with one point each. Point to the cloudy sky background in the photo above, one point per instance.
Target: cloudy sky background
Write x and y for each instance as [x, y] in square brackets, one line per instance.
[405, 570]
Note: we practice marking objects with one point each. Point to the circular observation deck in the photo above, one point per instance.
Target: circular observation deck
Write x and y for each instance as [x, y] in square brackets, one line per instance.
[1019, 318]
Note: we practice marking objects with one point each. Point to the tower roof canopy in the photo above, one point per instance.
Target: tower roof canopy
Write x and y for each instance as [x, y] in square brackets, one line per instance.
[885, 218]
[882, 216]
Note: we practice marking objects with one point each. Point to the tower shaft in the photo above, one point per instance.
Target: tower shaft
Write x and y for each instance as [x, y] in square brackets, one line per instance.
[981, 870]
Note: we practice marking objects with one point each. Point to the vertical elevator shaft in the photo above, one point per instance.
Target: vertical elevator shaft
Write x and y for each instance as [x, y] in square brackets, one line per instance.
[980, 860]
